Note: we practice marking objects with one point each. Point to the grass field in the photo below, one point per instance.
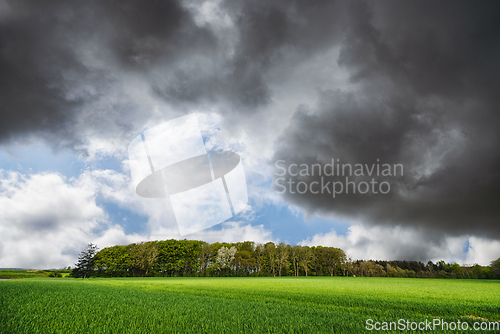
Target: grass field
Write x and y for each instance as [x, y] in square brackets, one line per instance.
[238, 305]
[12, 274]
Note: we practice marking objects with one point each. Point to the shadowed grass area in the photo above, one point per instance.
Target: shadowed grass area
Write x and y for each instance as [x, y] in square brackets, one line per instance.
[236, 305]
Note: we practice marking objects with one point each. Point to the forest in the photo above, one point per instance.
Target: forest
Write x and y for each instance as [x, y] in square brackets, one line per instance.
[193, 258]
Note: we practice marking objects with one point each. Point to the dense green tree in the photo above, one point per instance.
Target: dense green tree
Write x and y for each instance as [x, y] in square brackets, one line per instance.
[295, 255]
[205, 257]
[305, 258]
[85, 265]
[455, 271]
[390, 270]
[259, 258]
[282, 258]
[244, 262]
[143, 257]
[330, 258]
[270, 250]
[495, 265]
[113, 261]
[191, 256]
[248, 246]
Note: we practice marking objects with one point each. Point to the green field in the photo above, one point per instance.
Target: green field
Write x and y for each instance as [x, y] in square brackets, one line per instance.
[10, 274]
[238, 305]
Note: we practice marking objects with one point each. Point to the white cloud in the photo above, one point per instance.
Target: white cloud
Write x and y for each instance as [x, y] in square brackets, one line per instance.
[482, 251]
[118, 188]
[116, 236]
[397, 243]
[235, 232]
[45, 220]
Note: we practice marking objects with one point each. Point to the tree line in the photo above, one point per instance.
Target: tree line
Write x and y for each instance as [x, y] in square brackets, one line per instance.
[177, 258]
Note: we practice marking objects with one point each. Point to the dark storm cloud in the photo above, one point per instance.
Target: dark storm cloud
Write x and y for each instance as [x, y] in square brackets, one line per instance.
[32, 60]
[272, 31]
[62, 61]
[143, 33]
[426, 98]
[267, 33]
[59, 57]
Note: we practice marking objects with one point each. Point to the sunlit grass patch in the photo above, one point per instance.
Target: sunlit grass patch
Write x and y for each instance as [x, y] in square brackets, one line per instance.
[236, 305]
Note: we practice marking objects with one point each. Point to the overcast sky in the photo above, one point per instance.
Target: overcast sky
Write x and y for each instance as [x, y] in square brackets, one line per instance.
[304, 82]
